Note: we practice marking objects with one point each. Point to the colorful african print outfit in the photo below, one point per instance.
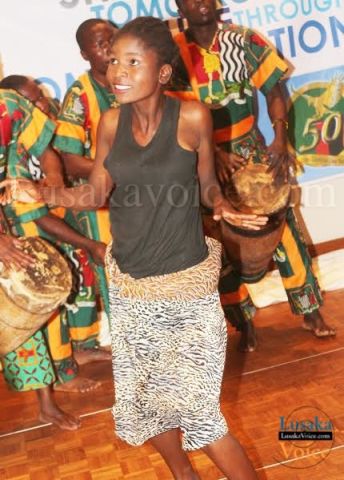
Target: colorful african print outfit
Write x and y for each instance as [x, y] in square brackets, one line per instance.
[29, 366]
[76, 133]
[80, 324]
[225, 77]
[25, 134]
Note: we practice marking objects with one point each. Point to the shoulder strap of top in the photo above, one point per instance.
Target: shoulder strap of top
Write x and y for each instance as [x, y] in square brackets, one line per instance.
[124, 125]
[173, 107]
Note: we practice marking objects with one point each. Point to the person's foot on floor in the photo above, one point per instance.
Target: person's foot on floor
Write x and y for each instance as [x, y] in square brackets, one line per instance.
[107, 348]
[77, 385]
[315, 323]
[61, 419]
[51, 413]
[248, 341]
[88, 355]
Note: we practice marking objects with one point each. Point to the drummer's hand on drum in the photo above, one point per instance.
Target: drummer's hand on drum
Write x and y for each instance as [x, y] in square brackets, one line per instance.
[97, 251]
[227, 163]
[225, 211]
[21, 190]
[10, 253]
[282, 162]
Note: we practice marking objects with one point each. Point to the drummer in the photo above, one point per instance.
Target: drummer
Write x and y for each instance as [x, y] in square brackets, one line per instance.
[223, 65]
[28, 131]
[83, 318]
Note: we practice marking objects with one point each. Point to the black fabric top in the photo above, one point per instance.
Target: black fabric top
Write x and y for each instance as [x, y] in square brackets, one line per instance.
[154, 209]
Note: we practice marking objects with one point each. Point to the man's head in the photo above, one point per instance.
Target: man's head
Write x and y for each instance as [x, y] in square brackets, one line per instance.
[94, 37]
[198, 13]
[29, 89]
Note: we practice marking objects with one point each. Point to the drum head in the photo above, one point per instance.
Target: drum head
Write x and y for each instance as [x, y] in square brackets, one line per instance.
[43, 286]
[252, 190]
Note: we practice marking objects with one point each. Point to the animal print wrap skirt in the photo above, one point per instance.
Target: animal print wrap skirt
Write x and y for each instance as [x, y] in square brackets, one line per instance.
[169, 342]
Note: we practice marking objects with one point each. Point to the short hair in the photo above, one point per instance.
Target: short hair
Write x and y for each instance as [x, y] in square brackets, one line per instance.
[14, 82]
[86, 25]
[155, 35]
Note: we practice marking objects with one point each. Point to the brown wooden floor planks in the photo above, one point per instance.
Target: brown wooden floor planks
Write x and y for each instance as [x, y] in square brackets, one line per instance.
[290, 369]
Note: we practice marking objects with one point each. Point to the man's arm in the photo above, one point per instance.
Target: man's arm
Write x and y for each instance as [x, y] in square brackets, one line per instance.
[280, 158]
[278, 114]
[52, 168]
[77, 166]
[62, 231]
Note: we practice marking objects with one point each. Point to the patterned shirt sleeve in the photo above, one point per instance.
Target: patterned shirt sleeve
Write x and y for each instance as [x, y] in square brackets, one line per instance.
[264, 66]
[32, 132]
[71, 132]
[37, 130]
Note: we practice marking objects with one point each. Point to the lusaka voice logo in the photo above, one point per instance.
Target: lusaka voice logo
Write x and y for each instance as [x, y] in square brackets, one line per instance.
[305, 437]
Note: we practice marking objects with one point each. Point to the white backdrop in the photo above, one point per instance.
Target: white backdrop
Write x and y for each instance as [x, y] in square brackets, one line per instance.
[37, 38]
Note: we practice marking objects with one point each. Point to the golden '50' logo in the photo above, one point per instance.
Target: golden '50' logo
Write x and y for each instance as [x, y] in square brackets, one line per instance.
[316, 123]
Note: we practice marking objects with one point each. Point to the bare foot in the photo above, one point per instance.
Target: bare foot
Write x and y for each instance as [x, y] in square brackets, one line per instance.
[78, 385]
[107, 348]
[248, 340]
[315, 323]
[51, 413]
[91, 355]
[60, 418]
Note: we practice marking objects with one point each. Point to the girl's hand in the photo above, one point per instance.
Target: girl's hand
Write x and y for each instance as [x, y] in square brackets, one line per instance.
[225, 211]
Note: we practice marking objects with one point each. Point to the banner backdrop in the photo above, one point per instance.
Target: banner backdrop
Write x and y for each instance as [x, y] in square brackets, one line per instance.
[37, 38]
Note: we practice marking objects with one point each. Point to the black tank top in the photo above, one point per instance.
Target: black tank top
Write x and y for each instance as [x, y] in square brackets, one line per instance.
[154, 209]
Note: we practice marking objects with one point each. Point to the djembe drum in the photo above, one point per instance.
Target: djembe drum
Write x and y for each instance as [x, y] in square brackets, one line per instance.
[252, 190]
[29, 297]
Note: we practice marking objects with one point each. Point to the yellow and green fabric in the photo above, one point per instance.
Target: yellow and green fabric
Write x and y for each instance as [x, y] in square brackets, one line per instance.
[25, 132]
[24, 128]
[76, 133]
[29, 366]
[80, 324]
[75, 325]
[225, 77]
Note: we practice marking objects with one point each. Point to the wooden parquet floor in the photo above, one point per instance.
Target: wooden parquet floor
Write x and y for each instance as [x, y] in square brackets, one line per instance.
[290, 370]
